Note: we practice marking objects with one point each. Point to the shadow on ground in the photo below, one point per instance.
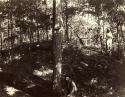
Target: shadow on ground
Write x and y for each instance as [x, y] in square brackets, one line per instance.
[96, 75]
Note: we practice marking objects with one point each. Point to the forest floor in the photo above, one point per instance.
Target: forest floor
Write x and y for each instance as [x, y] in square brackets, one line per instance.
[29, 73]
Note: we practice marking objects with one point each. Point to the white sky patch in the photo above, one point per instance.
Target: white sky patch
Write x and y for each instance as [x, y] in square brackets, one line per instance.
[10, 90]
[3, 0]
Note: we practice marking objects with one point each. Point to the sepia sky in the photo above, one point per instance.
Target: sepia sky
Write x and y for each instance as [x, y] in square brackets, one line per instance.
[3, 0]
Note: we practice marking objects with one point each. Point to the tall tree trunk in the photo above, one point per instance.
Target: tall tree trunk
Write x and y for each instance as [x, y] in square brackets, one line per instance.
[8, 31]
[38, 36]
[8, 40]
[122, 34]
[66, 32]
[20, 37]
[103, 29]
[98, 30]
[57, 47]
[30, 36]
[1, 41]
[118, 41]
[71, 34]
[20, 32]
[122, 38]
[37, 31]
[117, 27]
[11, 26]
[1, 38]
[47, 36]
[11, 35]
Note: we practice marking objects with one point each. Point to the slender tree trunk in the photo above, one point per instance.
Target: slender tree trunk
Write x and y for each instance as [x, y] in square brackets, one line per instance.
[20, 32]
[57, 47]
[66, 33]
[9, 51]
[8, 32]
[11, 26]
[98, 30]
[29, 32]
[117, 33]
[122, 33]
[58, 61]
[71, 33]
[30, 36]
[1, 38]
[38, 36]
[53, 29]
[47, 36]
[103, 29]
[118, 41]
[37, 31]
[1, 41]
[123, 39]
[11, 35]
[20, 37]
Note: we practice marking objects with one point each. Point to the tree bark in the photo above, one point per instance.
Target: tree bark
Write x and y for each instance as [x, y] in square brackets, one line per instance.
[20, 32]
[103, 29]
[66, 33]
[11, 34]
[122, 34]
[8, 31]
[57, 48]
[1, 41]
[117, 27]
[118, 50]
